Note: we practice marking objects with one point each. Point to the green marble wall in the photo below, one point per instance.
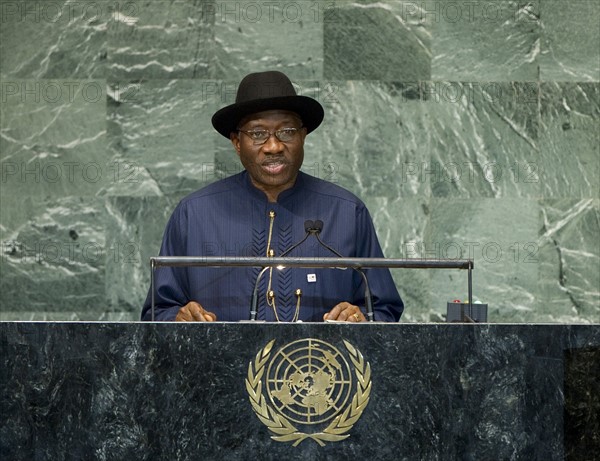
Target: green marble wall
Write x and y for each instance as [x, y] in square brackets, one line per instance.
[469, 128]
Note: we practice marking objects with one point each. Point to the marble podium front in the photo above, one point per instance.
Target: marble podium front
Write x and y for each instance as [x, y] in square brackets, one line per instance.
[154, 391]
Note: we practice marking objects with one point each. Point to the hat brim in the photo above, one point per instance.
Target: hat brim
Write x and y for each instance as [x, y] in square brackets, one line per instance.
[310, 111]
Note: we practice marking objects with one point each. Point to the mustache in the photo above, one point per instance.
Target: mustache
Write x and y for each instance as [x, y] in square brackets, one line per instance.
[275, 161]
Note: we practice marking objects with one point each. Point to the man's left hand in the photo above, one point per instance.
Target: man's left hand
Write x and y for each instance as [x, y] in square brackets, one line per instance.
[345, 312]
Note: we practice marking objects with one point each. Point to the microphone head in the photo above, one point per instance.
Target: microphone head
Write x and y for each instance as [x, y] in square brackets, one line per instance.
[308, 225]
[318, 225]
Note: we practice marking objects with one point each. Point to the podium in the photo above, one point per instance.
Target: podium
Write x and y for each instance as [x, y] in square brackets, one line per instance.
[152, 391]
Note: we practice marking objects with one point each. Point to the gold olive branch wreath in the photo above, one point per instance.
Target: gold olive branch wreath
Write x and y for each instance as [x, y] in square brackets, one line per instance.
[285, 430]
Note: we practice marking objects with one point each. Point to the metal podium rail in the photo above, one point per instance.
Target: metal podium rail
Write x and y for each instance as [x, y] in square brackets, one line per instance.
[354, 263]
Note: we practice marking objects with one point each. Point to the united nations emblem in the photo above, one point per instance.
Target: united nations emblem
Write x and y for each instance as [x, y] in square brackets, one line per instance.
[308, 384]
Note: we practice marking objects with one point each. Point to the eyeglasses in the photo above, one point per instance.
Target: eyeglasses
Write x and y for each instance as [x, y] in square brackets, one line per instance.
[259, 137]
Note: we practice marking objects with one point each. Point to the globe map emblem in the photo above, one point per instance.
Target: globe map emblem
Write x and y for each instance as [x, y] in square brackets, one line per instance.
[309, 381]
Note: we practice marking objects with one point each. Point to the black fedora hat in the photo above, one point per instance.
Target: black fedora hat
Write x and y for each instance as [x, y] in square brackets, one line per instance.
[262, 91]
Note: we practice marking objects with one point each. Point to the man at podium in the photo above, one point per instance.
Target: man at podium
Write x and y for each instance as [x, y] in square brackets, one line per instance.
[265, 211]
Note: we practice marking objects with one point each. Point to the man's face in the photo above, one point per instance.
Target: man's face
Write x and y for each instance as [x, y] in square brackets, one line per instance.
[274, 165]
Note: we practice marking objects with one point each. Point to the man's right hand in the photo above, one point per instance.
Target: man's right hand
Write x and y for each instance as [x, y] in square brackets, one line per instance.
[194, 312]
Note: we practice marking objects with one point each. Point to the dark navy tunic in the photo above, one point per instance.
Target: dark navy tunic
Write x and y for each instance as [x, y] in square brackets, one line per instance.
[231, 218]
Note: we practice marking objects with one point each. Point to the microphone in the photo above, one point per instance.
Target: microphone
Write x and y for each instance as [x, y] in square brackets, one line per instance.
[316, 230]
[309, 227]
[254, 303]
